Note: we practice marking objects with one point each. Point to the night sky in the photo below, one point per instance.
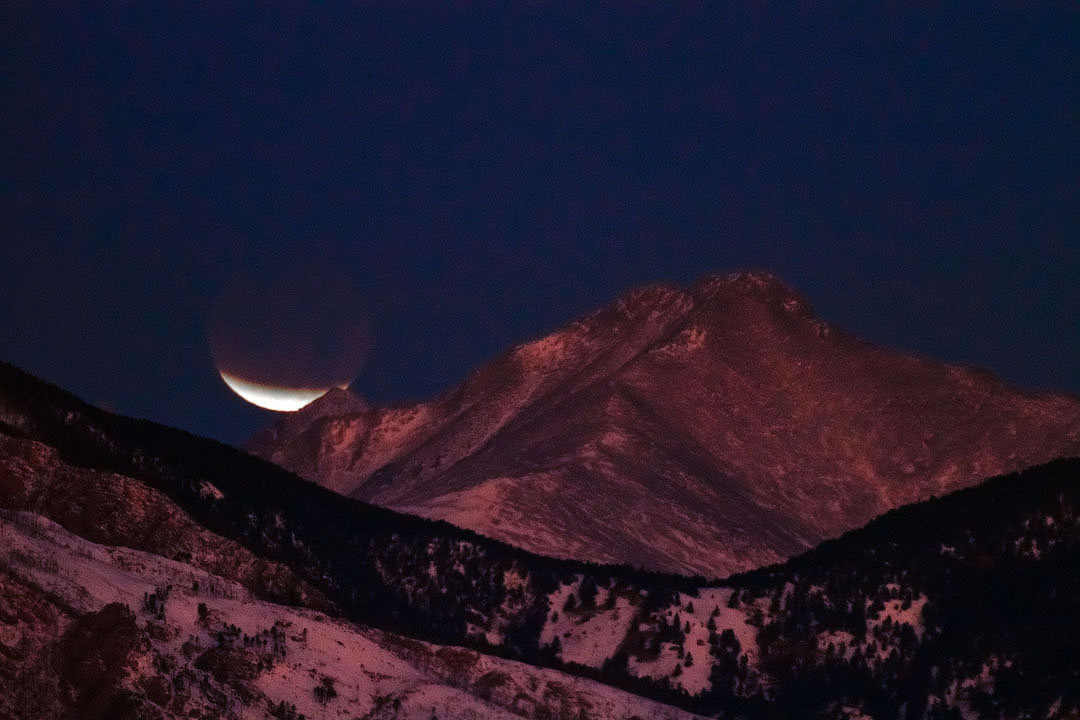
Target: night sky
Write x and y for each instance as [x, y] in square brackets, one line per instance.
[482, 174]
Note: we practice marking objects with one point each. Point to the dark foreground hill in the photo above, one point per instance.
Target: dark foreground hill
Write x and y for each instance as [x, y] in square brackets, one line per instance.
[706, 431]
[964, 606]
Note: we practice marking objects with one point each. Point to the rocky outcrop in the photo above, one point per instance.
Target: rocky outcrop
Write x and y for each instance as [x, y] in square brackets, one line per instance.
[113, 509]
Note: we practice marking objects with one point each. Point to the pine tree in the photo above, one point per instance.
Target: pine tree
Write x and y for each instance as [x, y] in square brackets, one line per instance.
[588, 593]
[556, 647]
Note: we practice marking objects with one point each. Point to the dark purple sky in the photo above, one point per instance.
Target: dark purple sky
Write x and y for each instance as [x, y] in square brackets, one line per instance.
[484, 173]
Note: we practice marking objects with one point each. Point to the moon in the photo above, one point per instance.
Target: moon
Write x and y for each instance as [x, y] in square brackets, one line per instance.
[281, 340]
[279, 399]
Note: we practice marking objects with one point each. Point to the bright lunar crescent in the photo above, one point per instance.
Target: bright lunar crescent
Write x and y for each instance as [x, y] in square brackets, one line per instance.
[273, 398]
[281, 341]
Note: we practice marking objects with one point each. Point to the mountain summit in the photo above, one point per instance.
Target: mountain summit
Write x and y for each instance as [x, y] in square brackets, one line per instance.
[708, 430]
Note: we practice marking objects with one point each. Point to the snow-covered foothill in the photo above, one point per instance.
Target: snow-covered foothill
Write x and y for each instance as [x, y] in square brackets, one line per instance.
[239, 657]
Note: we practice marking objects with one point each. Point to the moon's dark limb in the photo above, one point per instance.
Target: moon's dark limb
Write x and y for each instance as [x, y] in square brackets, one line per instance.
[289, 335]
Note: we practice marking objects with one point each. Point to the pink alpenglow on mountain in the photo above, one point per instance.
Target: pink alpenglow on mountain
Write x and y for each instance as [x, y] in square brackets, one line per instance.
[705, 431]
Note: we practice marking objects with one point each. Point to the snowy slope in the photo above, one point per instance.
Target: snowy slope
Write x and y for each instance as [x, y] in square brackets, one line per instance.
[374, 674]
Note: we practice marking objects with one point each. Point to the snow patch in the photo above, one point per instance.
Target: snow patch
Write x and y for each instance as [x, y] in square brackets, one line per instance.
[587, 636]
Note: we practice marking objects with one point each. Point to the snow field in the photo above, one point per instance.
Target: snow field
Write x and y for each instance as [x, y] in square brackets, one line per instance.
[375, 674]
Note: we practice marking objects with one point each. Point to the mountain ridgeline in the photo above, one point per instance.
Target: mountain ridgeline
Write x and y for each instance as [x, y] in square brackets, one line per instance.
[963, 606]
[705, 431]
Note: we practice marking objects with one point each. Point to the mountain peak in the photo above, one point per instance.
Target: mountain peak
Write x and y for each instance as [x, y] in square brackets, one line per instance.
[761, 285]
[335, 401]
[708, 431]
[653, 301]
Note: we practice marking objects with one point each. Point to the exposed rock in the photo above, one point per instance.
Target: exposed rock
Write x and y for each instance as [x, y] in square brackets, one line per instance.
[116, 510]
[95, 655]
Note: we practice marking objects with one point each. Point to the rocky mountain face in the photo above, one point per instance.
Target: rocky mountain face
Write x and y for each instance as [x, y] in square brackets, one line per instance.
[963, 606]
[703, 431]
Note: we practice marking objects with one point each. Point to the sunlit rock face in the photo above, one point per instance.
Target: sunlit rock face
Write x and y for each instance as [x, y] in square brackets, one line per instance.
[707, 430]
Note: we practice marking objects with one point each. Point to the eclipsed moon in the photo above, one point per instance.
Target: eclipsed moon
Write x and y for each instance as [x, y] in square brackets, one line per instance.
[273, 398]
[281, 340]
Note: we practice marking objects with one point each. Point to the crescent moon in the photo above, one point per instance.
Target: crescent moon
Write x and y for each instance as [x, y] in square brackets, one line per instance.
[280, 399]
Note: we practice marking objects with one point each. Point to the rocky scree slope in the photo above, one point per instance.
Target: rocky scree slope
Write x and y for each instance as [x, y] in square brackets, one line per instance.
[704, 431]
